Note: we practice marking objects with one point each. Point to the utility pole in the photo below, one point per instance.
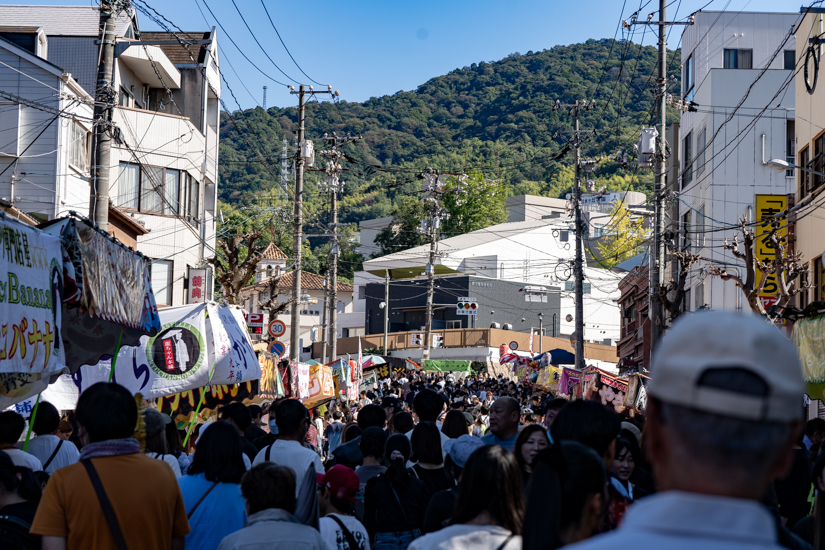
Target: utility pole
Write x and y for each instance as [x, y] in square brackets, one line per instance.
[302, 154]
[658, 250]
[541, 332]
[433, 190]
[578, 265]
[324, 341]
[104, 102]
[334, 186]
[386, 307]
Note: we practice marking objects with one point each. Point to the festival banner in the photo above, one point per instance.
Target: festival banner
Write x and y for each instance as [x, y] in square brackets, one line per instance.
[31, 294]
[186, 402]
[303, 380]
[229, 346]
[570, 383]
[367, 383]
[549, 378]
[321, 387]
[272, 385]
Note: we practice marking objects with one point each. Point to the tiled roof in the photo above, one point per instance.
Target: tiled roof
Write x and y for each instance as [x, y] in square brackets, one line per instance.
[309, 281]
[176, 53]
[272, 252]
[60, 20]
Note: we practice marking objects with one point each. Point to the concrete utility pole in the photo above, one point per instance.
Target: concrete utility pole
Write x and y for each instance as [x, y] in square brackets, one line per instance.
[386, 307]
[104, 103]
[541, 333]
[333, 170]
[657, 254]
[433, 190]
[298, 213]
[578, 265]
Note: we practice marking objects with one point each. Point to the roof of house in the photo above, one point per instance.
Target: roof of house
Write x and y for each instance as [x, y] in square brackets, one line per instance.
[177, 53]
[272, 252]
[60, 20]
[309, 281]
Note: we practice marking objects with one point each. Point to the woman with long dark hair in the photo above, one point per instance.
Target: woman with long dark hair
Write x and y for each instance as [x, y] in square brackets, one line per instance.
[175, 447]
[454, 424]
[395, 501]
[566, 496]
[530, 442]
[489, 508]
[211, 491]
[426, 451]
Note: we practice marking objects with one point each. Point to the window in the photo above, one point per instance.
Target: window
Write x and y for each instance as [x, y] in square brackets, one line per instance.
[699, 296]
[803, 282]
[586, 288]
[564, 236]
[700, 150]
[161, 275]
[362, 292]
[124, 98]
[190, 204]
[156, 190]
[804, 177]
[686, 231]
[816, 163]
[687, 79]
[790, 146]
[700, 226]
[819, 280]
[453, 324]
[790, 60]
[687, 169]
[738, 59]
[79, 156]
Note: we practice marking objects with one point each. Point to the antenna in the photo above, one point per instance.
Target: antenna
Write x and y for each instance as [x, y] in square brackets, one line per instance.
[264, 98]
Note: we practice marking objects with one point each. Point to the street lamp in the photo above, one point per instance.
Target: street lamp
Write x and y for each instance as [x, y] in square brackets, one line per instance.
[781, 165]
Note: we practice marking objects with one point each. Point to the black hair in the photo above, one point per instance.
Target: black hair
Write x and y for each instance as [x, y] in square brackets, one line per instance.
[173, 441]
[491, 482]
[219, 455]
[19, 479]
[290, 415]
[47, 419]
[337, 415]
[156, 444]
[107, 411]
[522, 438]
[555, 404]
[589, 423]
[372, 415]
[238, 413]
[255, 410]
[454, 424]
[565, 477]
[372, 442]
[351, 432]
[11, 427]
[269, 485]
[426, 443]
[402, 422]
[627, 441]
[397, 471]
[814, 426]
[428, 405]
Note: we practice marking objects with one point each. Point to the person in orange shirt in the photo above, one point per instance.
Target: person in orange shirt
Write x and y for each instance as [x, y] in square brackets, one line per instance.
[114, 493]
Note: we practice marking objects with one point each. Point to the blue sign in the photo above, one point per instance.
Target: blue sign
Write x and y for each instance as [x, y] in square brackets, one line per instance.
[277, 348]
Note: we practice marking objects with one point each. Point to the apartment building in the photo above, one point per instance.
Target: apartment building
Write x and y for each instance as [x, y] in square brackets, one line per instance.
[728, 59]
[164, 159]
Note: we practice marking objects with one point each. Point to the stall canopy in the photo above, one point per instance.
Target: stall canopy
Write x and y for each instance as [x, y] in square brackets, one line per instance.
[447, 366]
[809, 337]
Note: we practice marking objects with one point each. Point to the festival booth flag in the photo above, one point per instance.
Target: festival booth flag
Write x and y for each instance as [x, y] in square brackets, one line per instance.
[272, 385]
[208, 397]
[229, 346]
[604, 387]
[570, 383]
[321, 387]
[31, 290]
[549, 378]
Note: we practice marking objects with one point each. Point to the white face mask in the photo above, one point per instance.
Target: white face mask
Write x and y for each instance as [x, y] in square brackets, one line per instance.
[273, 427]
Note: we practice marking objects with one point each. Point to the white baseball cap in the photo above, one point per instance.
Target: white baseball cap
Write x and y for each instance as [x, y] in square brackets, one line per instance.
[706, 341]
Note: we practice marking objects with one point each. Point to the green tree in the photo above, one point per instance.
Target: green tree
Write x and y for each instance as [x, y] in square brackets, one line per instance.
[474, 204]
[402, 233]
[625, 237]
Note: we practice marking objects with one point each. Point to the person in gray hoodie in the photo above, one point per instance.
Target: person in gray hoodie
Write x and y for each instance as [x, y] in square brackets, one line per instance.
[269, 490]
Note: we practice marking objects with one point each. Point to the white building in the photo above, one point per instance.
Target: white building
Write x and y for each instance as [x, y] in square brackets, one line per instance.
[723, 57]
[536, 252]
[164, 156]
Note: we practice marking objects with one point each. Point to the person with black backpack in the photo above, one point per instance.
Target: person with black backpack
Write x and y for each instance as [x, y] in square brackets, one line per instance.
[19, 496]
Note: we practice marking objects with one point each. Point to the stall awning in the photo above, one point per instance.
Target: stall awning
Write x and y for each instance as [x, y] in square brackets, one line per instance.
[446, 365]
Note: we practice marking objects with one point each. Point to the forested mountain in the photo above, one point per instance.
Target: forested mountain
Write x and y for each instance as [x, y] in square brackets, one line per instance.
[493, 118]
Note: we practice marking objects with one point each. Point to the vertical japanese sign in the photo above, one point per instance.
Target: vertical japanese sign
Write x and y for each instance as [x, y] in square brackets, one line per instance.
[767, 206]
[196, 293]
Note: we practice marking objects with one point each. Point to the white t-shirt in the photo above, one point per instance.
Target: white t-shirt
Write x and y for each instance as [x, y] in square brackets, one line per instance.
[334, 537]
[43, 446]
[467, 537]
[22, 458]
[294, 455]
[170, 460]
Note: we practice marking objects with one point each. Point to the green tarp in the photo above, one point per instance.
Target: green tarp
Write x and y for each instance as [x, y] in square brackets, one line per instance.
[447, 366]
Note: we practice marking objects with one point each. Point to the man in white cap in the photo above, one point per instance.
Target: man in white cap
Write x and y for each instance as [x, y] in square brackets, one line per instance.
[724, 411]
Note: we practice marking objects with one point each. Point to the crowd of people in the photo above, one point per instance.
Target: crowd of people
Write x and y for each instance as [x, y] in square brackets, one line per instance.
[720, 458]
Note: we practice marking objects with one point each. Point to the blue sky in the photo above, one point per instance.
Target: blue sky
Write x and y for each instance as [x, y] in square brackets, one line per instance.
[367, 48]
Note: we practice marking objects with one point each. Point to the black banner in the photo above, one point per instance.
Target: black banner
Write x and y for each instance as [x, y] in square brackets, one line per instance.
[187, 402]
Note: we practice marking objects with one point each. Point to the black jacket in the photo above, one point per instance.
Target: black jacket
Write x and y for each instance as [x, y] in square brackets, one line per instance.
[384, 513]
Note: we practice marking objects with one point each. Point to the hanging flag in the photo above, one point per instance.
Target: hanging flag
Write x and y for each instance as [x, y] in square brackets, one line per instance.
[229, 346]
[360, 358]
[530, 345]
